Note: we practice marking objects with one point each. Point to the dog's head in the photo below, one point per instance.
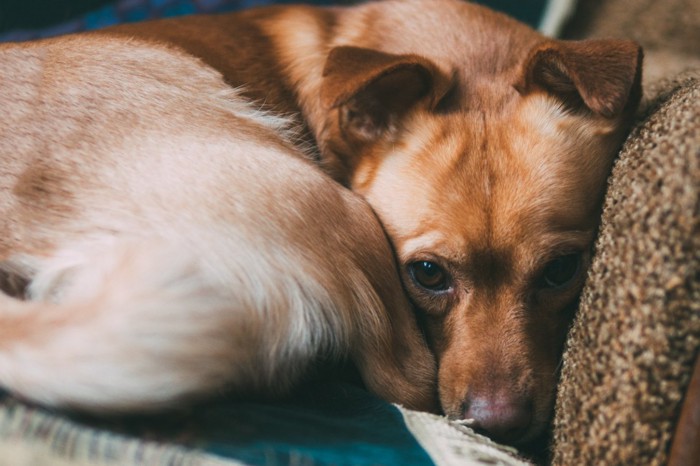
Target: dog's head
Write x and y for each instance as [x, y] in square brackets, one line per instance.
[491, 201]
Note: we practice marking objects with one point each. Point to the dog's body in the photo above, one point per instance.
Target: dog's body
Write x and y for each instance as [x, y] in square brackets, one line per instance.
[175, 243]
[482, 146]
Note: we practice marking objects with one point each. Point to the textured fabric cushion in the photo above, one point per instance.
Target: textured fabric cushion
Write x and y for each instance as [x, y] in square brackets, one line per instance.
[633, 343]
[670, 24]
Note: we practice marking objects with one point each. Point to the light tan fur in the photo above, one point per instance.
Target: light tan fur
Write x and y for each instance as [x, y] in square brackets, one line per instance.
[482, 146]
[175, 243]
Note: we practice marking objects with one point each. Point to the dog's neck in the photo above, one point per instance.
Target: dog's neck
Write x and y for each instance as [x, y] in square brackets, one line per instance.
[274, 55]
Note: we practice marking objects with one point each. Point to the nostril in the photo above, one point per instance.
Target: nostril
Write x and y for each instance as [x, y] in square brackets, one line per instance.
[502, 417]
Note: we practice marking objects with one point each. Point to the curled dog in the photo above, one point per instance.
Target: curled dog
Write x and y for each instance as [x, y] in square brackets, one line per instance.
[482, 146]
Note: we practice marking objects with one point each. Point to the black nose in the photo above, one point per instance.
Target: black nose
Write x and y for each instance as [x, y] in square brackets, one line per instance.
[501, 416]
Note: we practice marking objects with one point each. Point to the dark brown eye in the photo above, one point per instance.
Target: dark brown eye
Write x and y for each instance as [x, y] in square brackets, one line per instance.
[561, 271]
[428, 275]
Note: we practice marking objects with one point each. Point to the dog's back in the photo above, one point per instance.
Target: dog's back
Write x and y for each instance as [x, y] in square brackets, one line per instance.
[175, 242]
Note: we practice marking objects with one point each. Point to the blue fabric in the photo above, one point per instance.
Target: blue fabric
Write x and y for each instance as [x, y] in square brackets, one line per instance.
[329, 425]
[326, 423]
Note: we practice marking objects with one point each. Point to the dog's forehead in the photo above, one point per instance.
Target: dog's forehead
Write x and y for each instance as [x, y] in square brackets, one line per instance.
[479, 178]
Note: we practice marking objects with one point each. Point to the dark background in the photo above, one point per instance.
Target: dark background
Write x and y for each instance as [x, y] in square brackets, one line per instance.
[32, 19]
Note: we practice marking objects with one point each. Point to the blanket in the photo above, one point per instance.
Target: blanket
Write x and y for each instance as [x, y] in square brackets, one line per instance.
[324, 423]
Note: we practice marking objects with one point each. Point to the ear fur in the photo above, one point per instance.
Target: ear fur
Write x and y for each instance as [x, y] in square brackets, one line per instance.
[603, 76]
[372, 90]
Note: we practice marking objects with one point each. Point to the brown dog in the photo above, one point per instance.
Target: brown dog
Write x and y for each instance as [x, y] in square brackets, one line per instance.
[171, 242]
[483, 147]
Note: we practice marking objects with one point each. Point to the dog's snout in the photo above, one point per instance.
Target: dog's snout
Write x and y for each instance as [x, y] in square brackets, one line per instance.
[501, 416]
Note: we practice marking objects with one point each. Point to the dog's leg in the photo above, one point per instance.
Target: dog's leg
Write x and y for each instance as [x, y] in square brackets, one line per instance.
[387, 345]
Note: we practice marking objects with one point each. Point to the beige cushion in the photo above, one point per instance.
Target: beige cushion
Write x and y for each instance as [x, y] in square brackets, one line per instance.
[635, 338]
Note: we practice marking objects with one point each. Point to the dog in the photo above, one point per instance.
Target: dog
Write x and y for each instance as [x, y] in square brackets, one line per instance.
[482, 146]
[164, 240]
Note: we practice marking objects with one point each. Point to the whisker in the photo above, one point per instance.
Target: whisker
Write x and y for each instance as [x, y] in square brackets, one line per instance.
[465, 422]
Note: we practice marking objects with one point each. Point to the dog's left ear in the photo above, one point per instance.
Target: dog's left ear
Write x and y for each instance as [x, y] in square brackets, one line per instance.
[603, 76]
[373, 90]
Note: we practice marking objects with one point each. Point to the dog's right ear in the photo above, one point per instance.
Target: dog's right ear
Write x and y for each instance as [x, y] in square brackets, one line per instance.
[600, 76]
[371, 90]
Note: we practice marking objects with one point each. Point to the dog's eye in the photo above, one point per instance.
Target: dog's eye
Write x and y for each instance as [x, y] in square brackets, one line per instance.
[429, 275]
[561, 271]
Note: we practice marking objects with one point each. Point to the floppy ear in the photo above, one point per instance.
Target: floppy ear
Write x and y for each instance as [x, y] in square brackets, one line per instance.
[603, 76]
[373, 90]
